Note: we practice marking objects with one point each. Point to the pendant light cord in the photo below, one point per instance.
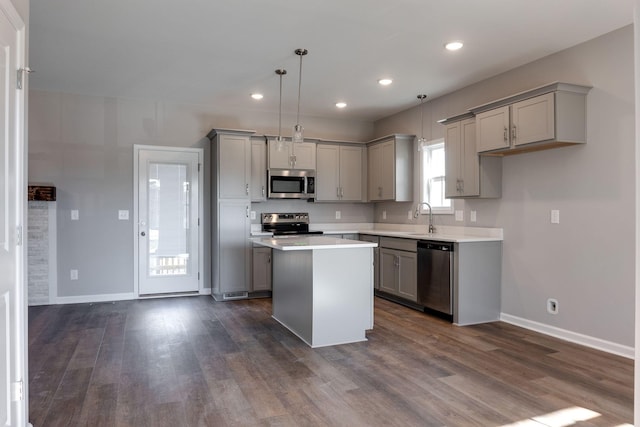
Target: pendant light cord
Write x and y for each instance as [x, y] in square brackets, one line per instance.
[299, 90]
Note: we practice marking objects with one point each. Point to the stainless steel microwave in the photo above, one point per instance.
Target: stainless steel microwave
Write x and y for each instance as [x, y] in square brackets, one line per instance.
[291, 183]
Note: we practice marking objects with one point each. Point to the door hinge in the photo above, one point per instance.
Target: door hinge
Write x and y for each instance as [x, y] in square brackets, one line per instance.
[21, 73]
[19, 235]
[17, 391]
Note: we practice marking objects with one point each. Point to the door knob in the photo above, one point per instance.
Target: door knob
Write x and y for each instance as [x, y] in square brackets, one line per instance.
[143, 233]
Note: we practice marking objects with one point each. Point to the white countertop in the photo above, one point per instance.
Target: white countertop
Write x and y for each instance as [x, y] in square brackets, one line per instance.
[404, 231]
[310, 242]
[437, 236]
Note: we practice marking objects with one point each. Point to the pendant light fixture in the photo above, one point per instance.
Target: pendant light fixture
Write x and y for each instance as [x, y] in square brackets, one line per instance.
[297, 128]
[422, 142]
[279, 141]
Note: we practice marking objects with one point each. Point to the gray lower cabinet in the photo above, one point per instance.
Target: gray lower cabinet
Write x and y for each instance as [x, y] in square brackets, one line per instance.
[376, 257]
[261, 269]
[398, 268]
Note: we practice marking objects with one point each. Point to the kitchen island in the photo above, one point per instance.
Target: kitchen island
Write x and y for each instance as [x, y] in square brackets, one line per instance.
[322, 287]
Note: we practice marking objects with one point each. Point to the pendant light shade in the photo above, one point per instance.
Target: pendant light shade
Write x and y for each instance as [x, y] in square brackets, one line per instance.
[279, 141]
[297, 135]
[422, 142]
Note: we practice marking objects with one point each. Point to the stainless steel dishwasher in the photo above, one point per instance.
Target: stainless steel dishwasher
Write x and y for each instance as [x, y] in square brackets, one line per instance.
[435, 276]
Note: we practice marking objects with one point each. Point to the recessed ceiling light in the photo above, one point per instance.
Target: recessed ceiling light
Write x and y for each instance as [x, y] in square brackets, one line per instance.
[257, 96]
[341, 104]
[455, 45]
[385, 82]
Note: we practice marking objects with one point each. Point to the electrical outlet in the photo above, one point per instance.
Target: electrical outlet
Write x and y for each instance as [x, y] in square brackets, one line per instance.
[473, 216]
[552, 306]
[384, 214]
[409, 214]
[338, 214]
[123, 215]
[459, 215]
[253, 214]
[75, 215]
[73, 274]
[555, 216]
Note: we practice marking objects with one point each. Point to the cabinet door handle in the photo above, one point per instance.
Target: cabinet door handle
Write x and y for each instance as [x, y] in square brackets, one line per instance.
[247, 213]
[506, 134]
[338, 192]
[263, 191]
[246, 189]
[269, 259]
[341, 192]
[513, 132]
[379, 191]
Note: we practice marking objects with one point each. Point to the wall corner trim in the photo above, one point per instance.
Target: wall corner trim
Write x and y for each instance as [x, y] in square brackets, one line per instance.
[574, 337]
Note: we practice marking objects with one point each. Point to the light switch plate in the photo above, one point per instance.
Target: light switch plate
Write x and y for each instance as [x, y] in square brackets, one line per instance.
[123, 215]
[459, 215]
[409, 214]
[473, 216]
[253, 214]
[75, 215]
[73, 274]
[555, 216]
[384, 214]
[338, 215]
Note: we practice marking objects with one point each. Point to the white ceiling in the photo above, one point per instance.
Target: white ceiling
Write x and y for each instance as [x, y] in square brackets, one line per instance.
[218, 52]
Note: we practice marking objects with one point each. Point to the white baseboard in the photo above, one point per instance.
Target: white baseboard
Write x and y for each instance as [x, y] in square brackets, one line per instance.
[205, 291]
[574, 337]
[81, 299]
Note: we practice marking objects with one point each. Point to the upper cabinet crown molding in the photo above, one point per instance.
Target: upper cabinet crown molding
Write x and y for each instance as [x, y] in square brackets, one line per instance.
[531, 93]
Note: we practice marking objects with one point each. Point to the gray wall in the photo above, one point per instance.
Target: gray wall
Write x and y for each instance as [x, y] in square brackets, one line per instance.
[586, 261]
[84, 146]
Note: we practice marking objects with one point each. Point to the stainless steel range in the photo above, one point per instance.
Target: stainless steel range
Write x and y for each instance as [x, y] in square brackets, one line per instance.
[286, 224]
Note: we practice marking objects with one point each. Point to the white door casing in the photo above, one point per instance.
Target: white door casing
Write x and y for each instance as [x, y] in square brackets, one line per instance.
[13, 342]
[167, 211]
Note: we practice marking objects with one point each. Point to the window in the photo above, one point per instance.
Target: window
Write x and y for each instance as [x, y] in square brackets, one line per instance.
[432, 169]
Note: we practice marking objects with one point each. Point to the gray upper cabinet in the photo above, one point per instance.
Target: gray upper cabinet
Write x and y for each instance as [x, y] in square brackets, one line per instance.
[289, 155]
[258, 188]
[467, 175]
[234, 167]
[339, 173]
[390, 168]
[549, 116]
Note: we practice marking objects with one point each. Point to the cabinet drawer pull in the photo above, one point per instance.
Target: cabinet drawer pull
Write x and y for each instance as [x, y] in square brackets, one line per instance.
[513, 132]
[246, 189]
[506, 134]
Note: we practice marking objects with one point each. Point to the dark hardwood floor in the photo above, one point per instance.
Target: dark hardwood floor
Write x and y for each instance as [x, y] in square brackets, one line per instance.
[195, 362]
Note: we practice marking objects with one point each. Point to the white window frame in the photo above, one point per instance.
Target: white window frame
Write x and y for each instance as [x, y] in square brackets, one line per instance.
[437, 210]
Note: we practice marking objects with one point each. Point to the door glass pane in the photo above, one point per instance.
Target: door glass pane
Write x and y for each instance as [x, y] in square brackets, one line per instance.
[168, 190]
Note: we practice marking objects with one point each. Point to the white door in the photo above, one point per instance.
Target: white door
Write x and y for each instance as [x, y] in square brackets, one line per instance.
[168, 232]
[12, 201]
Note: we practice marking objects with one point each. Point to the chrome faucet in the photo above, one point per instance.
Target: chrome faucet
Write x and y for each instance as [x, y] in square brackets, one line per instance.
[432, 229]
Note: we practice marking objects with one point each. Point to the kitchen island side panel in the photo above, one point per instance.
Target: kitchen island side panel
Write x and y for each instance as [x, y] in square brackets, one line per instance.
[477, 282]
[342, 295]
[292, 292]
